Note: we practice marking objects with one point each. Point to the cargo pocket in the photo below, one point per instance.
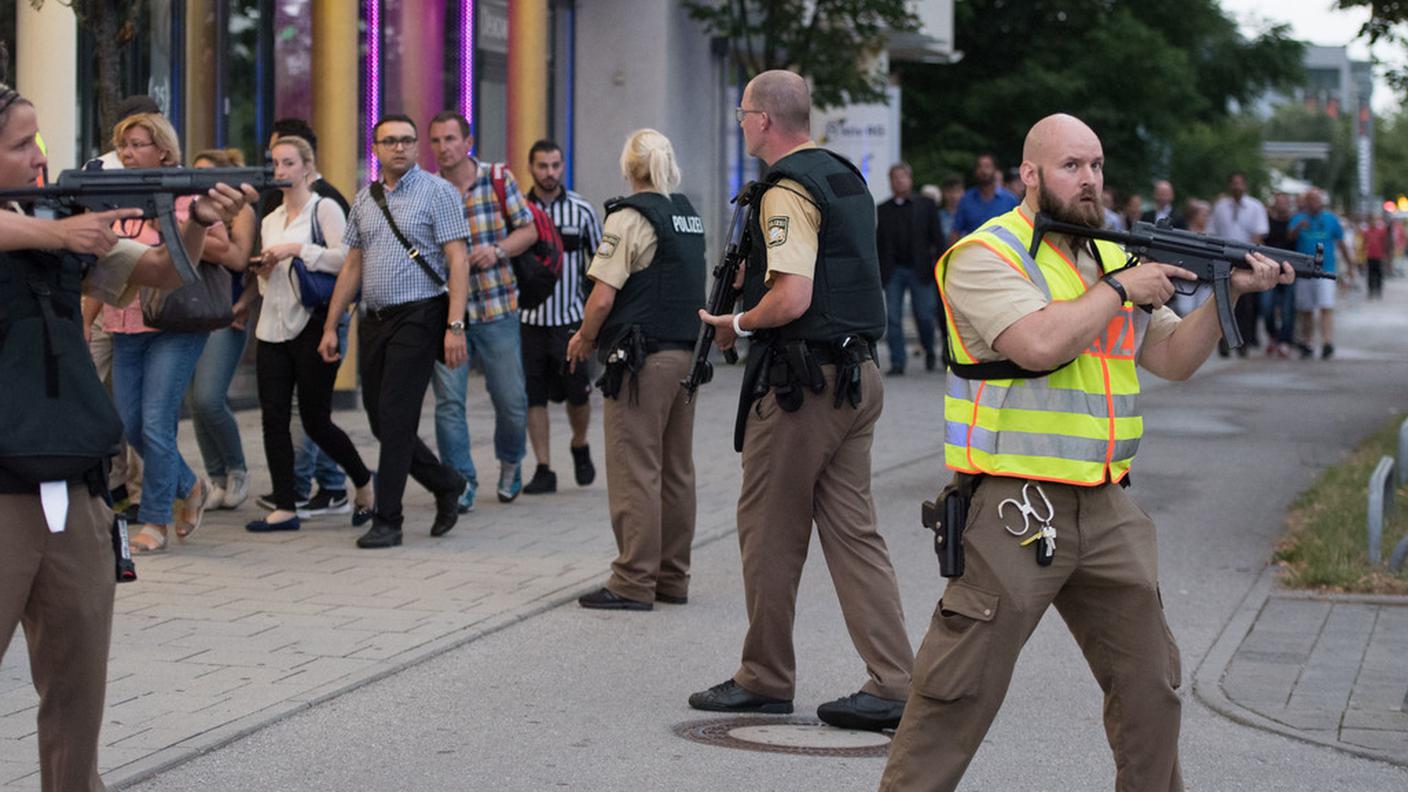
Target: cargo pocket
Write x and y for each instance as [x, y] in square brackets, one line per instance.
[1175, 661]
[951, 661]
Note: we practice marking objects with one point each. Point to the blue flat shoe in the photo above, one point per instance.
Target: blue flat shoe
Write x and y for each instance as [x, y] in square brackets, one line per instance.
[264, 526]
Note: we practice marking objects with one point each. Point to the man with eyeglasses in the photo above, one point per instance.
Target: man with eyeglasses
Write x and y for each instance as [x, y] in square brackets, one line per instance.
[814, 309]
[406, 251]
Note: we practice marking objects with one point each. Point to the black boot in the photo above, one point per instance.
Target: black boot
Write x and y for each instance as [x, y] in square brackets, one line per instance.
[380, 535]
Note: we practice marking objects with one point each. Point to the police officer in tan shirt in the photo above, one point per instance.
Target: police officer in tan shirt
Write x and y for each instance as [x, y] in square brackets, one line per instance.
[812, 395]
[641, 316]
[1101, 573]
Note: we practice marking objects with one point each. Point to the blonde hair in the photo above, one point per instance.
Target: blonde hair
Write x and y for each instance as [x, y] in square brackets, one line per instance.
[303, 147]
[223, 158]
[649, 159]
[163, 135]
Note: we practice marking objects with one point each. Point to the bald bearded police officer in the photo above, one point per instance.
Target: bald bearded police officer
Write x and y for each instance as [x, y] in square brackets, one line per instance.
[649, 274]
[1042, 418]
[812, 395]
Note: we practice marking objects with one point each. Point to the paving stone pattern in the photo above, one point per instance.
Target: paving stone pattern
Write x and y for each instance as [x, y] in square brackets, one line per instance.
[231, 630]
[1335, 670]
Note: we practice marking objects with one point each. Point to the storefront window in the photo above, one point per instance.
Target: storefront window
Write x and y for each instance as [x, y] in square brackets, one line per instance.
[293, 58]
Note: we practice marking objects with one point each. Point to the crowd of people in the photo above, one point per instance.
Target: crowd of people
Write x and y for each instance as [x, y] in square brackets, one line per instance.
[1285, 322]
[1042, 353]
[274, 254]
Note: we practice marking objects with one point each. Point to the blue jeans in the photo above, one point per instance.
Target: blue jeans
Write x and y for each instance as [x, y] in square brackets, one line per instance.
[923, 297]
[1281, 298]
[309, 461]
[150, 372]
[217, 432]
[495, 349]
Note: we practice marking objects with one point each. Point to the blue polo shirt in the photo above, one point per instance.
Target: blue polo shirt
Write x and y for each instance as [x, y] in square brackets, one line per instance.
[973, 211]
[1323, 229]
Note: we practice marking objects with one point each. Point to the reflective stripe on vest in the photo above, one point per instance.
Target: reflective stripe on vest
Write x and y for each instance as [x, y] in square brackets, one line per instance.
[1078, 425]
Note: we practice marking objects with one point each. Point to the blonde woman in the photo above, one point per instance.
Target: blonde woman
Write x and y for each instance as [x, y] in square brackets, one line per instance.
[151, 368]
[307, 227]
[642, 319]
[217, 431]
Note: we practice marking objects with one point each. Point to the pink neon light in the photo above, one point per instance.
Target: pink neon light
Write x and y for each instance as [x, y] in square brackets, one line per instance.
[467, 61]
[371, 108]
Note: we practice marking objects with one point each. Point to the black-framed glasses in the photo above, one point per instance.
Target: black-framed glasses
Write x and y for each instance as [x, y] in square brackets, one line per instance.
[397, 142]
[740, 113]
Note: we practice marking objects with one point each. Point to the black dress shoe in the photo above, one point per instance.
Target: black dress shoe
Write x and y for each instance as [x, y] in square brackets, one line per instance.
[582, 465]
[671, 599]
[606, 599]
[732, 697]
[544, 482]
[862, 711]
[380, 535]
[447, 510]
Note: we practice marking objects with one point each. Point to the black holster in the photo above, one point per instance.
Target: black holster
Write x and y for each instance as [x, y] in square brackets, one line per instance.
[792, 372]
[946, 516]
[626, 357]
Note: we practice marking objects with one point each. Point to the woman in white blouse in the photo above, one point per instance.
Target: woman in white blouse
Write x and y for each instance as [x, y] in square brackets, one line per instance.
[309, 229]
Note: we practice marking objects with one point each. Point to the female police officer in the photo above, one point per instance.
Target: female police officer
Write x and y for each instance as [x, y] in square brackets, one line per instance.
[648, 278]
[57, 570]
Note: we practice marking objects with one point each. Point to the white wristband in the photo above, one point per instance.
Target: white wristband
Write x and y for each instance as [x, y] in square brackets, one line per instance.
[738, 331]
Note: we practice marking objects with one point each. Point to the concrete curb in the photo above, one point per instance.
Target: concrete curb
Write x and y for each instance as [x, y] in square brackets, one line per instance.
[1207, 680]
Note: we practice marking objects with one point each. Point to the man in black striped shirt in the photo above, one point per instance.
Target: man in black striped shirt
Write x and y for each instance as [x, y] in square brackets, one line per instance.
[547, 328]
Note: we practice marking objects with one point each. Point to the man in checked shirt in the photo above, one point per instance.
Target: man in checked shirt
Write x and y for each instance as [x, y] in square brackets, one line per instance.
[496, 234]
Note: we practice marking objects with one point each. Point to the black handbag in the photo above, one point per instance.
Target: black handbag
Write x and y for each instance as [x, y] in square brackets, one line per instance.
[202, 305]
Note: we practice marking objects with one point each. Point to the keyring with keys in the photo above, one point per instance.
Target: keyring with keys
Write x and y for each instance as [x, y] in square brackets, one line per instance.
[1045, 535]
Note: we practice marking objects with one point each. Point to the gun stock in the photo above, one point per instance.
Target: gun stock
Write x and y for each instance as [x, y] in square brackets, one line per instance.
[153, 190]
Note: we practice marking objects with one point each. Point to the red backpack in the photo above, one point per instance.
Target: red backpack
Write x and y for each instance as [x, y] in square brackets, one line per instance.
[539, 268]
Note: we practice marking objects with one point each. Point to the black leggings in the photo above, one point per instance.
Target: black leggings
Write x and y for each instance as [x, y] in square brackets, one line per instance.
[281, 367]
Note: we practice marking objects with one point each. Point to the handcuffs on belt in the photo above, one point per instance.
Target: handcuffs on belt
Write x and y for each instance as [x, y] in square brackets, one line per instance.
[1045, 535]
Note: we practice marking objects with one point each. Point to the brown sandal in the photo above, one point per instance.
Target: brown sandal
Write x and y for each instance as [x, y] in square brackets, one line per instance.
[196, 502]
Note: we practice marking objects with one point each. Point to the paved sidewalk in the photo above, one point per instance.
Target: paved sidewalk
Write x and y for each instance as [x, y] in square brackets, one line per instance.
[1327, 669]
[231, 631]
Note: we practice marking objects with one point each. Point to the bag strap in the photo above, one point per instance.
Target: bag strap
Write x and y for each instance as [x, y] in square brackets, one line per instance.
[501, 193]
[315, 233]
[378, 193]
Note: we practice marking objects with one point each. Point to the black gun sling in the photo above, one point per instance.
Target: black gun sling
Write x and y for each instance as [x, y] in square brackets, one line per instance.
[378, 193]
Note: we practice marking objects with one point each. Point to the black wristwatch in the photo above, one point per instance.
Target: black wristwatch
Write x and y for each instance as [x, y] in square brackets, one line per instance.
[1115, 284]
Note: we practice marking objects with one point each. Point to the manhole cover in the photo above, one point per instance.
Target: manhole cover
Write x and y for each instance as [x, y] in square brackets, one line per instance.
[798, 736]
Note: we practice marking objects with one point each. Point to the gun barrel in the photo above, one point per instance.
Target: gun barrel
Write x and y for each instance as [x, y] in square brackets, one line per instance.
[93, 186]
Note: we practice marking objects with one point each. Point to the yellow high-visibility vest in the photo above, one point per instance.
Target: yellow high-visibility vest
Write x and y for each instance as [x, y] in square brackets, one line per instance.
[1078, 425]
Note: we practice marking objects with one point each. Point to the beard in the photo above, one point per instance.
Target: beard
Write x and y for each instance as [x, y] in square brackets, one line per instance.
[1088, 212]
[547, 185]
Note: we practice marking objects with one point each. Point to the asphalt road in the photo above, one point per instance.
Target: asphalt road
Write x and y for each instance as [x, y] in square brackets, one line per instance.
[582, 700]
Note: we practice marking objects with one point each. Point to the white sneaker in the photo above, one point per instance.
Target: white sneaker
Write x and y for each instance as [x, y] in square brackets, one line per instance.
[236, 489]
[217, 496]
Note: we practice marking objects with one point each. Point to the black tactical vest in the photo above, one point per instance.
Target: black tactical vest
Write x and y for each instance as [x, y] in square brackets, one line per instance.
[847, 298]
[665, 297]
[57, 422]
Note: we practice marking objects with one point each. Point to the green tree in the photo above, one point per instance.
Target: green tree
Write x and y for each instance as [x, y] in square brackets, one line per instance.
[1388, 24]
[1391, 153]
[831, 42]
[1146, 76]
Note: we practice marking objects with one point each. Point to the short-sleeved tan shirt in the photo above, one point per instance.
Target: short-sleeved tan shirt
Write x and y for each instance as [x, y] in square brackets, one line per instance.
[987, 296]
[627, 246]
[791, 223]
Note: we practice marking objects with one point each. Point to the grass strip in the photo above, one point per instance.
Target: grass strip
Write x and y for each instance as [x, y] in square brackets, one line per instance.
[1326, 544]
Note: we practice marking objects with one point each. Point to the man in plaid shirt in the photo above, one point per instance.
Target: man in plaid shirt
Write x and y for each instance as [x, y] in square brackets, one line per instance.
[491, 323]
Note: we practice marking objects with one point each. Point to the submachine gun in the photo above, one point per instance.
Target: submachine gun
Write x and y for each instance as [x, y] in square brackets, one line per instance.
[1208, 257]
[153, 190]
[722, 295]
